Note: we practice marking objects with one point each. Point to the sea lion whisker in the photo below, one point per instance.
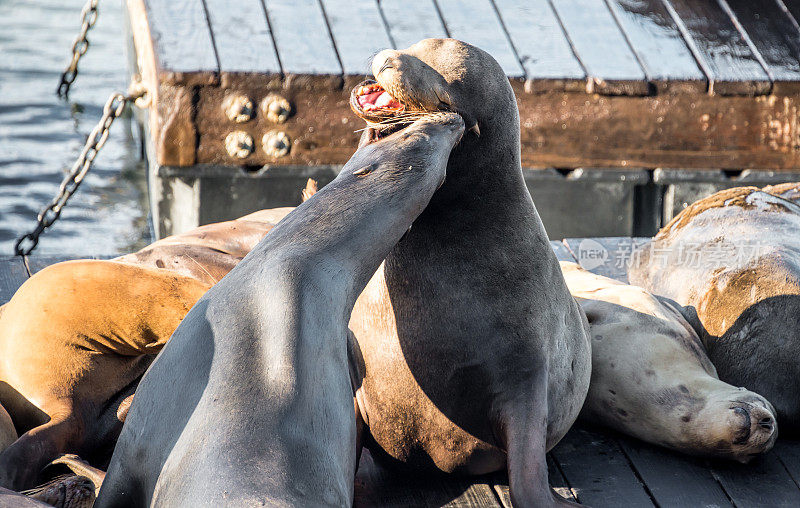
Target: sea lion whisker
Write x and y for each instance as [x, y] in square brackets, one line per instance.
[201, 267]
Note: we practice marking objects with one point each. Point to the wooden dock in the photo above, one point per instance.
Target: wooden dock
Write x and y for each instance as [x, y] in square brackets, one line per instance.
[591, 466]
[601, 83]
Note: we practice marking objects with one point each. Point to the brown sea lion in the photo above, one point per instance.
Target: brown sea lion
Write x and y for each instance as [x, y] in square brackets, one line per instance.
[77, 337]
[652, 379]
[475, 355]
[733, 261]
[264, 413]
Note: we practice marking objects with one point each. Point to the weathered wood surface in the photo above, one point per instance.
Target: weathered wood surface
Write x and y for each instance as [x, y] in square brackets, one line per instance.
[410, 21]
[358, 33]
[652, 34]
[302, 38]
[480, 25]
[732, 64]
[593, 466]
[773, 32]
[541, 45]
[672, 82]
[242, 36]
[601, 47]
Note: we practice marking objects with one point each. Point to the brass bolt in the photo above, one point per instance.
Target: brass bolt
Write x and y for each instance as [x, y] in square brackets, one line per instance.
[276, 143]
[276, 108]
[239, 144]
[239, 108]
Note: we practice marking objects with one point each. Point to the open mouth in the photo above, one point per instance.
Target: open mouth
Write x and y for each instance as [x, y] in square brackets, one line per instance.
[372, 103]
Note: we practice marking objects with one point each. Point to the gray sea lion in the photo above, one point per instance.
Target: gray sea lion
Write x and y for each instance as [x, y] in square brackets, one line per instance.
[733, 261]
[77, 337]
[651, 377]
[264, 414]
[475, 355]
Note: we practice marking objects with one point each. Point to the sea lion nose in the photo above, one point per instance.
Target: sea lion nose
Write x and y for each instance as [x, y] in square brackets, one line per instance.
[753, 422]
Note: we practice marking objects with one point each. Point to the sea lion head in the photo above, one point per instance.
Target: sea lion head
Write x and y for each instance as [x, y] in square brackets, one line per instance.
[444, 75]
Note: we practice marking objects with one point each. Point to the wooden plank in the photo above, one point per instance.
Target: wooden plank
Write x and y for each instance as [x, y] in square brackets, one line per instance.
[242, 36]
[302, 38]
[727, 59]
[376, 486]
[488, 34]
[601, 47]
[609, 257]
[358, 33]
[181, 36]
[776, 37]
[673, 479]
[668, 130]
[657, 41]
[557, 482]
[789, 454]
[762, 482]
[410, 21]
[598, 471]
[541, 45]
[12, 275]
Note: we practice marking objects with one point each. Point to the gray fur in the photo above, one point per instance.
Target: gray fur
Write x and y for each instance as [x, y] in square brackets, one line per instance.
[475, 353]
[250, 403]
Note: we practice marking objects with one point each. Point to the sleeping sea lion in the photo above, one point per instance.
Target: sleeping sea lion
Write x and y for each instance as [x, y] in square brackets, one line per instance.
[651, 377]
[77, 337]
[264, 414]
[475, 355]
[733, 261]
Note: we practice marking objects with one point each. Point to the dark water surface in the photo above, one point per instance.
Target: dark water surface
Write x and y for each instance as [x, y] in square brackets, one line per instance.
[41, 135]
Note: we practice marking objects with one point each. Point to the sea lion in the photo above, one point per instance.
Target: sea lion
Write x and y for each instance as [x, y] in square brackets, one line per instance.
[475, 355]
[264, 414]
[733, 261]
[77, 337]
[652, 379]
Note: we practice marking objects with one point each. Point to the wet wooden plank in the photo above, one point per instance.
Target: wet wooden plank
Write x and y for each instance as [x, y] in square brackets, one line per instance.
[488, 34]
[557, 482]
[598, 471]
[181, 36]
[410, 21]
[609, 257]
[788, 451]
[776, 37]
[12, 275]
[242, 36]
[762, 482]
[724, 54]
[601, 47]
[358, 33]
[657, 41]
[302, 38]
[541, 45]
[376, 486]
[673, 479]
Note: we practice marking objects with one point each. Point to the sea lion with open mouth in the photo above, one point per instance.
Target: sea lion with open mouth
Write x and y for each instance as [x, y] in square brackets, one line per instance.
[651, 377]
[733, 261]
[475, 355]
[264, 410]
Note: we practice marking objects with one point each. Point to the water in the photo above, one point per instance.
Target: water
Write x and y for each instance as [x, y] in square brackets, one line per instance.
[41, 135]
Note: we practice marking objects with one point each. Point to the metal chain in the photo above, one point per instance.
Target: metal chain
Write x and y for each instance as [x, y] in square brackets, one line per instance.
[97, 138]
[79, 47]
